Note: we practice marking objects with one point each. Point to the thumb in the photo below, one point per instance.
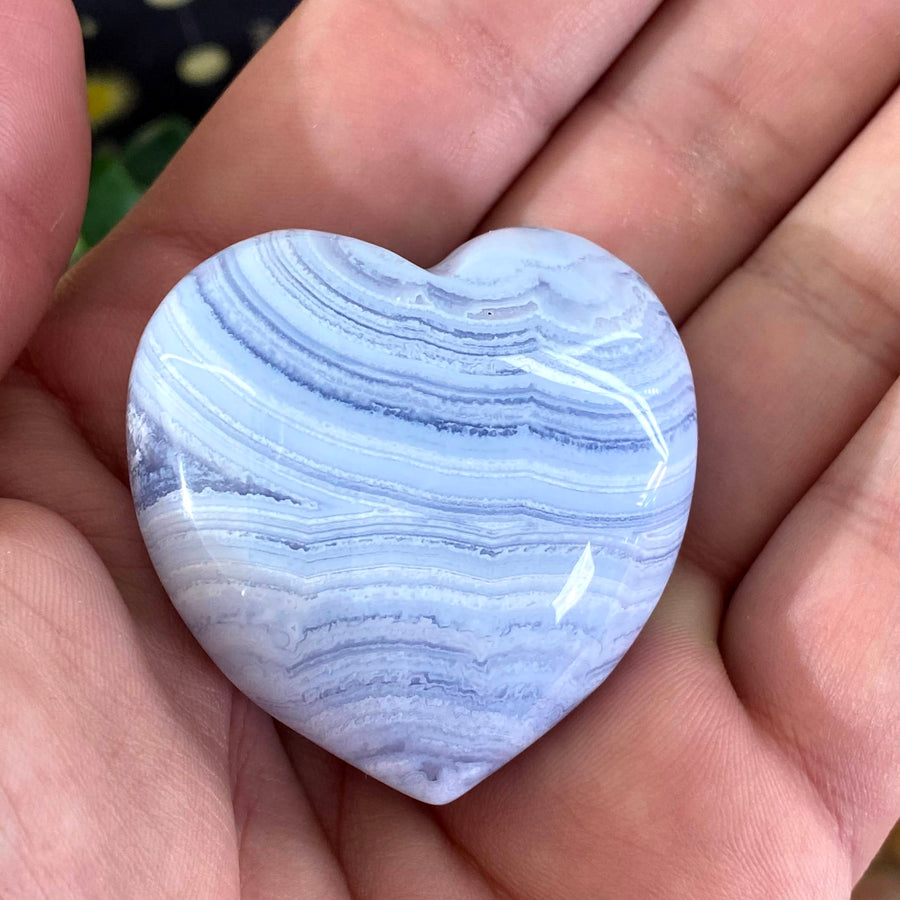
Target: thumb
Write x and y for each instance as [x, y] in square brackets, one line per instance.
[44, 158]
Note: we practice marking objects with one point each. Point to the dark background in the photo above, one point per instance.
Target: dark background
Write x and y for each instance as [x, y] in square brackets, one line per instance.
[134, 50]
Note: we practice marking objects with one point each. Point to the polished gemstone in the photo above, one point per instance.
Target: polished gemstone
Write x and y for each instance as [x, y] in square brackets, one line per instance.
[415, 515]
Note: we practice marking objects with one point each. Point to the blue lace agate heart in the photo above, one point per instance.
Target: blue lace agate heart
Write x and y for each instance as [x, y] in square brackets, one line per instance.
[415, 515]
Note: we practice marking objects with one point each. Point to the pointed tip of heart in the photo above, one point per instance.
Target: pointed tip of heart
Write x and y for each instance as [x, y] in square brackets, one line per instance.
[435, 786]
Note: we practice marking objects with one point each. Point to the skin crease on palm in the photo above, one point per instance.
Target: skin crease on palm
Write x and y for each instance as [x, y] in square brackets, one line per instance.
[741, 154]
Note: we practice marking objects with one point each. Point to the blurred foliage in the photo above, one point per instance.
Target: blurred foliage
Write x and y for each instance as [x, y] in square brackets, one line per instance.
[120, 175]
[112, 193]
[151, 148]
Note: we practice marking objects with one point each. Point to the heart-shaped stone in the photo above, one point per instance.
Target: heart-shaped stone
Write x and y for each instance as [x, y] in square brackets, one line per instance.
[415, 515]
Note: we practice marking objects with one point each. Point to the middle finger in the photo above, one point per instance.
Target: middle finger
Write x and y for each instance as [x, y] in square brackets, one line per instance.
[712, 124]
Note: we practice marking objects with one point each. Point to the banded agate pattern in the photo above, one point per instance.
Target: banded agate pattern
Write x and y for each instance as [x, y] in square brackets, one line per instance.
[415, 515]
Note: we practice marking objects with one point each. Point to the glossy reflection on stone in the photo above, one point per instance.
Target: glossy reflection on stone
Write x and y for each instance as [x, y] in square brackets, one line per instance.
[415, 515]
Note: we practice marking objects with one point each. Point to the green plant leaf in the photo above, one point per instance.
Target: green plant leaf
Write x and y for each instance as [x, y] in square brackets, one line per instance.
[81, 248]
[112, 194]
[148, 152]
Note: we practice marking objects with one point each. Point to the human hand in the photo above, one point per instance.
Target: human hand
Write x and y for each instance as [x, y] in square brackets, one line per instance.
[749, 743]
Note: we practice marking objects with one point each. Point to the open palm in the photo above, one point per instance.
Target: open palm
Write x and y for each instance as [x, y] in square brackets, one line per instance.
[734, 153]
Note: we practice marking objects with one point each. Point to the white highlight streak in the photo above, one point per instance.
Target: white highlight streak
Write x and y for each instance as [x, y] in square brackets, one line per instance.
[597, 381]
[218, 370]
[577, 583]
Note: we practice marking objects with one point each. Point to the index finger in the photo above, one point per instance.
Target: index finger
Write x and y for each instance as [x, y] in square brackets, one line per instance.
[396, 122]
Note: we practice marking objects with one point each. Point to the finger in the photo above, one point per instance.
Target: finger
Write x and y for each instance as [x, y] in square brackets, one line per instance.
[710, 126]
[108, 785]
[387, 840]
[399, 123]
[280, 842]
[794, 351]
[44, 154]
[46, 461]
[812, 637]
